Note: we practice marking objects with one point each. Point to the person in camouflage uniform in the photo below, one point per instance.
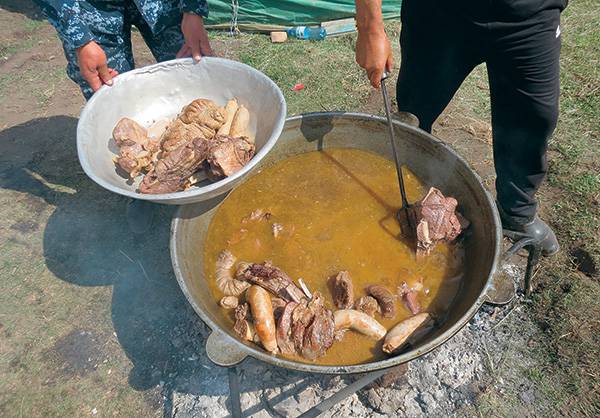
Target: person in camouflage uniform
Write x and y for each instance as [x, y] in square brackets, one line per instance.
[96, 34]
[96, 37]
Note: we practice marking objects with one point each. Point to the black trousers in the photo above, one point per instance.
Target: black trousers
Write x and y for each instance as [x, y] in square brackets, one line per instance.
[440, 47]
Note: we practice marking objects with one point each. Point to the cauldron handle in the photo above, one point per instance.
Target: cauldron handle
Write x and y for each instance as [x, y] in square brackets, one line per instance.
[503, 289]
[222, 350]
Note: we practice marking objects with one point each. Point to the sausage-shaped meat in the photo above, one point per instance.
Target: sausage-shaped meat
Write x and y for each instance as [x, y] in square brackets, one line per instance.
[240, 124]
[264, 320]
[358, 321]
[386, 299]
[397, 336]
[230, 109]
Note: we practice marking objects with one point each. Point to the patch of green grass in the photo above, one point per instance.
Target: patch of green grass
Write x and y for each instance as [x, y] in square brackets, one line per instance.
[474, 94]
[31, 25]
[332, 79]
[567, 304]
[568, 309]
[577, 138]
[26, 39]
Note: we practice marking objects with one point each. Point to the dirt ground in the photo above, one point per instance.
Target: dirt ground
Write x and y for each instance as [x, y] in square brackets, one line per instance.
[92, 321]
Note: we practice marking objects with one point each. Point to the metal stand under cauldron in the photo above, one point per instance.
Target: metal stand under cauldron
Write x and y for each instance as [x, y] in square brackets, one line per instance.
[534, 251]
[321, 407]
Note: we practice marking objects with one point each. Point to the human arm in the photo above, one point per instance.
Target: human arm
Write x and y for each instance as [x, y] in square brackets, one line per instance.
[196, 39]
[373, 50]
[66, 17]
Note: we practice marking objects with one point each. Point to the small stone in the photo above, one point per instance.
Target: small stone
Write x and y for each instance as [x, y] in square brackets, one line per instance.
[94, 411]
[527, 397]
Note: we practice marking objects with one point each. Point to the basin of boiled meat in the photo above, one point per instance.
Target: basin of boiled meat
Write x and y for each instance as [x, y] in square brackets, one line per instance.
[205, 141]
[307, 259]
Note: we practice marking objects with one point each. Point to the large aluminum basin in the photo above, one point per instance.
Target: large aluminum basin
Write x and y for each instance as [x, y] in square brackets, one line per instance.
[160, 91]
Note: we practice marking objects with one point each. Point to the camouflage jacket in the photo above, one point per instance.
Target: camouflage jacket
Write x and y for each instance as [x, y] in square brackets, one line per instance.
[73, 19]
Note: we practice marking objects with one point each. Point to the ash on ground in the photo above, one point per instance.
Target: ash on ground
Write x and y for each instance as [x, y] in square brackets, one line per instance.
[445, 382]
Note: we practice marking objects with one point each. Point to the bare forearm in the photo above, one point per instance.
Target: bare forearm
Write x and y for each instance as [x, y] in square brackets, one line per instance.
[373, 51]
[369, 17]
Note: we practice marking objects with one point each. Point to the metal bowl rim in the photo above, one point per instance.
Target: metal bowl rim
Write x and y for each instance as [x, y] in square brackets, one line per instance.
[196, 191]
[364, 367]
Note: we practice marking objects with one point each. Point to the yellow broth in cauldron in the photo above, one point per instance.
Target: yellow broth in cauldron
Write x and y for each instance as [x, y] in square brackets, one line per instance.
[336, 210]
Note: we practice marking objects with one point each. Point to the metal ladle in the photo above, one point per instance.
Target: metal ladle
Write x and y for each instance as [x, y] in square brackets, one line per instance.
[406, 207]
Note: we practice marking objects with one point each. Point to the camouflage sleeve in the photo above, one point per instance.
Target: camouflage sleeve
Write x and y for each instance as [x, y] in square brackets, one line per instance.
[198, 7]
[66, 17]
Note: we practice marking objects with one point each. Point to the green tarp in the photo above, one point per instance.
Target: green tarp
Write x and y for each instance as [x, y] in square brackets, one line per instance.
[286, 13]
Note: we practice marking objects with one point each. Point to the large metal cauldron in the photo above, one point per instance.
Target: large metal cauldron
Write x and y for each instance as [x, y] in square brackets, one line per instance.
[430, 159]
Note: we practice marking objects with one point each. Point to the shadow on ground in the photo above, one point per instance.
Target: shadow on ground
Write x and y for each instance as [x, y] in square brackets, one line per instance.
[26, 8]
[87, 242]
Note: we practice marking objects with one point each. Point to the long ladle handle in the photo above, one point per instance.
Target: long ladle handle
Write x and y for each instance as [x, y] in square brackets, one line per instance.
[388, 113]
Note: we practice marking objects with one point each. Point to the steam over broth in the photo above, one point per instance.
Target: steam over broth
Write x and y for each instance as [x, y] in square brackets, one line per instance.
[337, 208]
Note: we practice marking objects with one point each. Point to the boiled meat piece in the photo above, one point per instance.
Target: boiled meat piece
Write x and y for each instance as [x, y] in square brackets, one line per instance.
[129, 132]
[301, 318]
[342, 290]
[230, 110]
[200, 118]
[270, 278]
[171, 173]
[134, 159]
[313, 328]
[240, 124]
[243, 327]
[278, 305]
[319, 335]
[224, 275]
[436, 220]
[284, 329]
[409, 297]
[368, 305]
[228, 155]
[385, 298]
[137, 151]
[229, 302]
